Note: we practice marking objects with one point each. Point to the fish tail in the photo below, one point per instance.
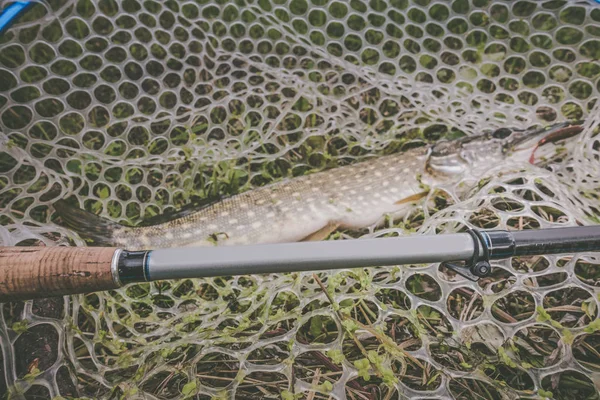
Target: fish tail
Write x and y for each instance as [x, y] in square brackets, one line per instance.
[92, 228]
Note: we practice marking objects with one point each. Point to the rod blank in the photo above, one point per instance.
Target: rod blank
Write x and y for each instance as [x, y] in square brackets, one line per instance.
[557, 240]
[306, 256]
[310, 256]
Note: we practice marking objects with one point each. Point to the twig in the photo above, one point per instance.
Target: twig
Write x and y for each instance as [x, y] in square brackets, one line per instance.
[315, 382]
[341, 317]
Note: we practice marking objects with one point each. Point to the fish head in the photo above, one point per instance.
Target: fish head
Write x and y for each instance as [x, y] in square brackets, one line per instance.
[487, 150]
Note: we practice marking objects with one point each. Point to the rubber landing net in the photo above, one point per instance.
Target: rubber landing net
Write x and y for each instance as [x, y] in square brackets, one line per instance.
[140, 108]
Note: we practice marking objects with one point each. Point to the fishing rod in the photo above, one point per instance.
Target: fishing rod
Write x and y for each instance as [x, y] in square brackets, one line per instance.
[32, 272]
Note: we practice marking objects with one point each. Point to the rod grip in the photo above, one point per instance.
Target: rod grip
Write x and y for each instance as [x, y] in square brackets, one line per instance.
[33, 272]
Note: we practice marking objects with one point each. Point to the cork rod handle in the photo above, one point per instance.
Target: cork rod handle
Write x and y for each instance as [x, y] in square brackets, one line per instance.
[33, 272]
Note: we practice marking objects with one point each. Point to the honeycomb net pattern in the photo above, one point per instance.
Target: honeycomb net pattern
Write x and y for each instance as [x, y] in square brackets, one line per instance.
[140, 108]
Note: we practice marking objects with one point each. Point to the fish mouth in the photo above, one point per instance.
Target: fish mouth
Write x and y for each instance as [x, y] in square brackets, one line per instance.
[529, 141]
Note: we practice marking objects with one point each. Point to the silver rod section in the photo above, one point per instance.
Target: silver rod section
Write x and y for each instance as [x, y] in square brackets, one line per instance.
[190, 262]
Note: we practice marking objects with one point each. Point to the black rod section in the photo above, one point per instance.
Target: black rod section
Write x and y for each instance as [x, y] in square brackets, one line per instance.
[577, 239]
[132, 266]
[558, 240]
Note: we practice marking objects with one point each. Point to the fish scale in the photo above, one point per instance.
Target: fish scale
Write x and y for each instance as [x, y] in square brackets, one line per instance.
[352, 196]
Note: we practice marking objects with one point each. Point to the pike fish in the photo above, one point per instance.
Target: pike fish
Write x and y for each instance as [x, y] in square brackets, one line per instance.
[312, 206]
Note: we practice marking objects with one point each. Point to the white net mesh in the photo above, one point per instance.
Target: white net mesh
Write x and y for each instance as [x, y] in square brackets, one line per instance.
[140, 108]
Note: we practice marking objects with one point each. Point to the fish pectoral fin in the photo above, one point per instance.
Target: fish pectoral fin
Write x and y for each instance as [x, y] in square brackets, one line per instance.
[322, 233]
[414, 197]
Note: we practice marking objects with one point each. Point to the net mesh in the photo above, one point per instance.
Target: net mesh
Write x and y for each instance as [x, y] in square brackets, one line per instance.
[140, 108]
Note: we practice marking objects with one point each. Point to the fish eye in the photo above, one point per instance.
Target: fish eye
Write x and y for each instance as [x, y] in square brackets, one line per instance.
[501, 133]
